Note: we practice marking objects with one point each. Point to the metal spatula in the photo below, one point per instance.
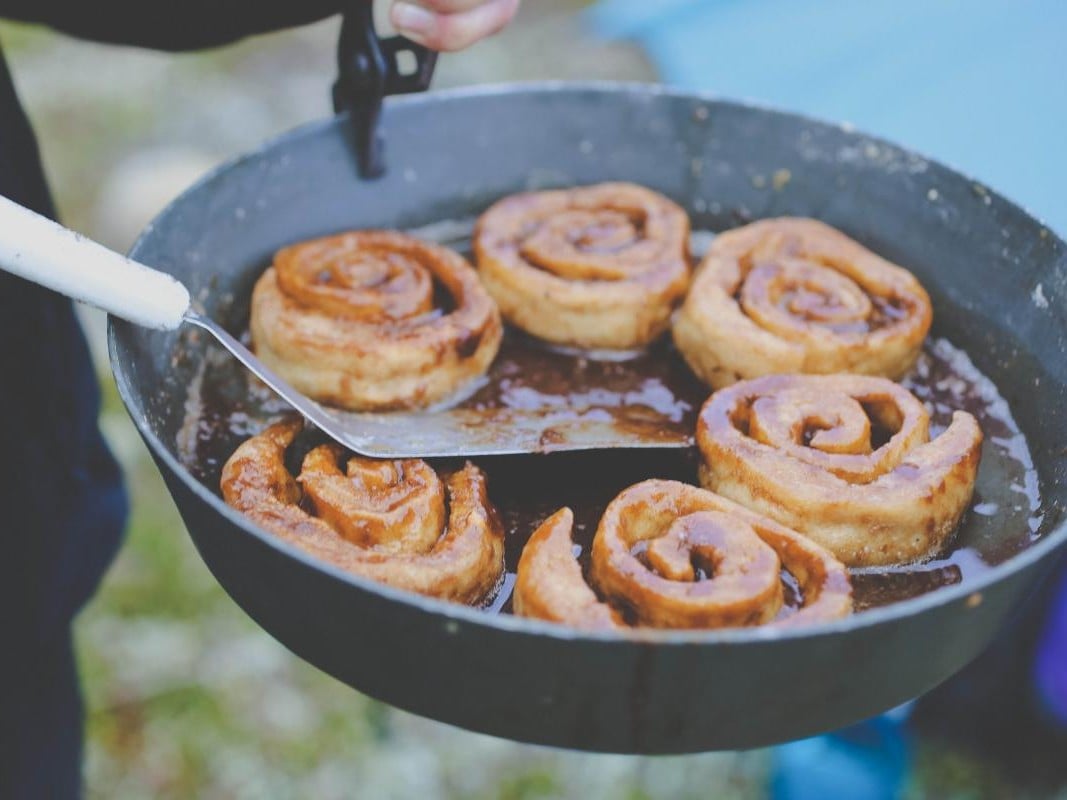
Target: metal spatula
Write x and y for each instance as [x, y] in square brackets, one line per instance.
[41, 251]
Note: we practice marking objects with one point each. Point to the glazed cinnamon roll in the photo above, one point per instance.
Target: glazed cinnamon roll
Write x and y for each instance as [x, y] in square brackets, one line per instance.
[383, 520]
[670, 555]
[374, 320]
[797, 296]
[599, 266]
[844, 459]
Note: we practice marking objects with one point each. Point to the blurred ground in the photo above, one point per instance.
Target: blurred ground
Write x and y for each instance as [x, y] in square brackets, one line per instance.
[186, 696]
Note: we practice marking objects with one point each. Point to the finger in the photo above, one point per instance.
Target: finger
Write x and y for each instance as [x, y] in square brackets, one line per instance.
[448, 6]
[450, 32]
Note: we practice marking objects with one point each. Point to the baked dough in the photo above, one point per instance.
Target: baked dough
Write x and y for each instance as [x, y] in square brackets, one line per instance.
[597, 267]
[797, 296]
[844, 459]
[383, 520]
[374, 320]
[648, 548]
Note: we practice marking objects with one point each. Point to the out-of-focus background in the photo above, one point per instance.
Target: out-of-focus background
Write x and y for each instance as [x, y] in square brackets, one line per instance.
[186, 696]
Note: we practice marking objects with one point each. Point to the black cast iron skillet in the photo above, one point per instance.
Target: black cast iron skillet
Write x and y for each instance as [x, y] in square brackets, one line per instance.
[451, 154]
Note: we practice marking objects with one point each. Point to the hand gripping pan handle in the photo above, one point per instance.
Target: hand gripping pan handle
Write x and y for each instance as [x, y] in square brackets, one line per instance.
[40, 250]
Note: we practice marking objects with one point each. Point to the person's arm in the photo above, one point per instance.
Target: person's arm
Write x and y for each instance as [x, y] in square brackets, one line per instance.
[198, 24]
[173, 25]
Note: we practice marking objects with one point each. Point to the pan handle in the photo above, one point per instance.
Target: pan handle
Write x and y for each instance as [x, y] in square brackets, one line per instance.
[368, 70]
[39, 250]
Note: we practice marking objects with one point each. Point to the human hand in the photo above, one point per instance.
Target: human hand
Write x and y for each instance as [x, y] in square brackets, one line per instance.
[449, 25]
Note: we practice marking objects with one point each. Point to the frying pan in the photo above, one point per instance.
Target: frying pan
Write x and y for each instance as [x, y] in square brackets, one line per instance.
[997, 277]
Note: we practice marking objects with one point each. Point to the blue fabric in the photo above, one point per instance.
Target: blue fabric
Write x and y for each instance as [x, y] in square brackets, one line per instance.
[1050, 668]
[976, 83]
[868, 761]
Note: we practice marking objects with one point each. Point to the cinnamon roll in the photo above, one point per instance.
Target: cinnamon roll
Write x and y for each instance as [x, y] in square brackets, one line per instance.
[844, 459]
[670, 555]
[797, 296]
[383, 520]
[598, 266]
[374, 320]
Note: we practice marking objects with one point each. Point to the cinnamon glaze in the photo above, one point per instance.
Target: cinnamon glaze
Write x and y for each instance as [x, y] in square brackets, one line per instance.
[594, 266]
[812, 452]
[374, 320]
[655, 548]
[794, 295]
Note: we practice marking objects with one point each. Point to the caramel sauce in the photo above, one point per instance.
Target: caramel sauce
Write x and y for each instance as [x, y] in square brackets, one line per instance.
[650, 391]
[225, 407]
[653, 390]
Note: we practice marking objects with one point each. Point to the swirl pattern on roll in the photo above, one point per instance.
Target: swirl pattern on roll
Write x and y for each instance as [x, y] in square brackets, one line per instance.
[383, 520]
[598, 266]
[845, 459]
[374, 320]
[670, 555]
[794, 295]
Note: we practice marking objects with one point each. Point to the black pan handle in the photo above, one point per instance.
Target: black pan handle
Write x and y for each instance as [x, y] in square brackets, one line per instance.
[368, 70]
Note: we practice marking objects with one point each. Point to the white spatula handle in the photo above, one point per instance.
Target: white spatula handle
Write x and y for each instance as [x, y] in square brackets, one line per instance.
[41, 251]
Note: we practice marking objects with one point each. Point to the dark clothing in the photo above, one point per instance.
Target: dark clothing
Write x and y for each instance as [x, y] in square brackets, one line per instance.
[60, 489]
[62, 498]
[175, 26]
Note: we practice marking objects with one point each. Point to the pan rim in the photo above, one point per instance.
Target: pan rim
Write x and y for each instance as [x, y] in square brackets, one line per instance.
[452, 614]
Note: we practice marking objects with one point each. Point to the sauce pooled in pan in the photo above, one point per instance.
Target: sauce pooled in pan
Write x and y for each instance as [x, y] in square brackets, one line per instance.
[225, 406]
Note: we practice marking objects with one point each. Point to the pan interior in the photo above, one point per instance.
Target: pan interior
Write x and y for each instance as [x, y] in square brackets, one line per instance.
[225, 406]
[995, 275]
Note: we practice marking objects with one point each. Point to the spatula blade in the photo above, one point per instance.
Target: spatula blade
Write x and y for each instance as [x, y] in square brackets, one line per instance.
[471, 432]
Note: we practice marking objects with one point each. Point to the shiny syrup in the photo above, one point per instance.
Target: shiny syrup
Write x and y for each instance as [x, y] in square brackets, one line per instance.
[225, 407]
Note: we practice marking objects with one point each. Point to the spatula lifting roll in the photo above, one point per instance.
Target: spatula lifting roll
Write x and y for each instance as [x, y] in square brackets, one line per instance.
[597, 267]
[374, 320]
[845, 459]
[795, 295]
[670, 555]
[383, 520]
